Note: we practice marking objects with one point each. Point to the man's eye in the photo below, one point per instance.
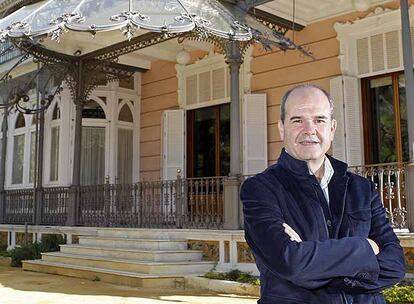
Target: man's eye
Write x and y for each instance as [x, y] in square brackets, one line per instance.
[320, 121]
[296, 121]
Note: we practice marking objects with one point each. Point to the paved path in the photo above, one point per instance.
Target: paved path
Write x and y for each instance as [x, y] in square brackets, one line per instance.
[22, 287]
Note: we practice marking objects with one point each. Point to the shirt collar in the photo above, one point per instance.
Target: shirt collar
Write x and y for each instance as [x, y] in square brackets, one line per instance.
[327, 175]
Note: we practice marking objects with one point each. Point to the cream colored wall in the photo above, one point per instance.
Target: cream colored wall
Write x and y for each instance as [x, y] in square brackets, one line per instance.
[159, 93]
[275, 72]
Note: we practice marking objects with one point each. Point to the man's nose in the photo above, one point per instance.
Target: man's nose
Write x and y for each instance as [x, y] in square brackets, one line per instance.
[309, 127]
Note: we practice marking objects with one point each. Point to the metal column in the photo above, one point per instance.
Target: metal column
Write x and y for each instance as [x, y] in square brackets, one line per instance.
[3, 165]
[234, 60]
[409, 91]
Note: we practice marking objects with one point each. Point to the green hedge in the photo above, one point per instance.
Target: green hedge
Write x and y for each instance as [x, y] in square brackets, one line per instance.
[400, 294]
[33, 251]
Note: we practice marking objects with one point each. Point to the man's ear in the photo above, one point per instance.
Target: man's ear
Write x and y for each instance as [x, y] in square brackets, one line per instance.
[333, 128]
[281, 128]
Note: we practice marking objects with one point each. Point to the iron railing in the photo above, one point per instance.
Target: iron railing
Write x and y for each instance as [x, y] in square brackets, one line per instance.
[54, 206]
[19, 206]
[8, 52]
[180, 203]
[389, 180]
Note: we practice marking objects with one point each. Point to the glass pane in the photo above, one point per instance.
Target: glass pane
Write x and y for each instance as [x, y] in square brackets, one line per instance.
[225, 140]
[54, 155]
[383, 120]
[32, 156]
[403, 119]
[205, 142]
[125, 114]
[93, 156]
[125, 152]
[93, 110]
[18, 158]
[41, 19]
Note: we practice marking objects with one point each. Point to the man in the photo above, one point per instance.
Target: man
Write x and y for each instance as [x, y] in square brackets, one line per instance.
[319, 233]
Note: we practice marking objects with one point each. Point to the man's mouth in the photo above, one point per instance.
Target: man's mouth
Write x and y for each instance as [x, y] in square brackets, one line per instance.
[308, 142]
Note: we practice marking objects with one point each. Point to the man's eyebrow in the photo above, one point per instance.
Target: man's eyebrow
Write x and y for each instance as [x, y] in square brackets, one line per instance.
[315, 117]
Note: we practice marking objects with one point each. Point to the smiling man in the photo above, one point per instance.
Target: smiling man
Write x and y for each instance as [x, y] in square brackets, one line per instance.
[319, 233]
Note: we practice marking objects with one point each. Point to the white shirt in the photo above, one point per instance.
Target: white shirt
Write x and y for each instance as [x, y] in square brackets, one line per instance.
[327, 175]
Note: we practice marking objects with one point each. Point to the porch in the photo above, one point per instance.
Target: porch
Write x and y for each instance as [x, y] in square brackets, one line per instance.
[182, 203]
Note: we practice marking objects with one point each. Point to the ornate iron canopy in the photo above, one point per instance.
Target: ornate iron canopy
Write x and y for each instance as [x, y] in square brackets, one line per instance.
[141, 23]
[207, 19]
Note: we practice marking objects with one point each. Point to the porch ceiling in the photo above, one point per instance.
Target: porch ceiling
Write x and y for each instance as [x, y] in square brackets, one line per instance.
[312, 11]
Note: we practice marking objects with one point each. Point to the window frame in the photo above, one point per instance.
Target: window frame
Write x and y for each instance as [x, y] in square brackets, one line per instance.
[368, 119]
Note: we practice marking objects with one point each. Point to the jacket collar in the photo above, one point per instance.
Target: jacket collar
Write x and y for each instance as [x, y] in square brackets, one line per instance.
[300, 168]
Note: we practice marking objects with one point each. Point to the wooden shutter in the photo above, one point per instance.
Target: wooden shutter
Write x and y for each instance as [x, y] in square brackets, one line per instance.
[173, 143]
[348, 142]
[254, 133]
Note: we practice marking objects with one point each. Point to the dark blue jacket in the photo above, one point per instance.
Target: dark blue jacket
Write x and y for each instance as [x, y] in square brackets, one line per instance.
[334, 263]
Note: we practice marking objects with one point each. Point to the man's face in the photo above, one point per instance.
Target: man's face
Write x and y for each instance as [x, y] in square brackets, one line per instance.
[308, 129]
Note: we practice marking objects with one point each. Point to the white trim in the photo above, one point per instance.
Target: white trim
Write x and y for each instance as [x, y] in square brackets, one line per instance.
[380, 21]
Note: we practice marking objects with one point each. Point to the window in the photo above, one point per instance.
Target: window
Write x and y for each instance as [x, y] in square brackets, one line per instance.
[127, 83]
[208, 146]
[385, 119]
[125, 114]
[32, 167]
[93, 156]
[18, 159]
[54, 154]
[125, 151]
[93, 110]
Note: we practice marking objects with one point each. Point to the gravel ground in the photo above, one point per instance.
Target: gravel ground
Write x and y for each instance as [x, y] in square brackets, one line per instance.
[23, 287]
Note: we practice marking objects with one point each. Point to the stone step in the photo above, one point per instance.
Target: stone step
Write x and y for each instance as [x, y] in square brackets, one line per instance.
[193, 268]
[138, 233]
[134, 254]
[106, 275]
[133, 243]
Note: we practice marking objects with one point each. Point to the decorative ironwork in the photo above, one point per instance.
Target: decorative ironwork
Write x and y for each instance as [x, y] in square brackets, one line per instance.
[389, 181]
[19, 207]
[54, 209]
[181, 203]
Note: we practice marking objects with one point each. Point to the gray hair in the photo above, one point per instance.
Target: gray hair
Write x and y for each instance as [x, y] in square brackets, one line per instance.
[303, 86]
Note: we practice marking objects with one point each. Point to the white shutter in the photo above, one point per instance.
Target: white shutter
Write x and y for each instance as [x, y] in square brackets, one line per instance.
[254, 133]
[351, 135]
[173, 143]
[339, 144]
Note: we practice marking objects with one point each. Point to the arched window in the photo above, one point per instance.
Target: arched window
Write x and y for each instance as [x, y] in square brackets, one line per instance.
[20, 122]
[18, 150]
[93, 110]
[125, 114]
[54, 144]
[56, 113]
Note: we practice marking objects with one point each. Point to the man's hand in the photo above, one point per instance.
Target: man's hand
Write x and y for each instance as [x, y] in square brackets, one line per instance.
[374, 246]
[292, 233]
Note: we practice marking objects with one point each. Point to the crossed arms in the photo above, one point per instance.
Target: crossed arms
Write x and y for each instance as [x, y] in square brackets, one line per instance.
[349, 263]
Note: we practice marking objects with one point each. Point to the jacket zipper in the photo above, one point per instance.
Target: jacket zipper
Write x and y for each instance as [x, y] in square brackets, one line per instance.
[323, 213]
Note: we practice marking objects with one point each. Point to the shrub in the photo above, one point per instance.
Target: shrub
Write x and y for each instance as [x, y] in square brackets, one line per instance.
[26, 252]
[51, 242]
[234, 275]
[33, 251]
[400, 294]
[3, 245]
